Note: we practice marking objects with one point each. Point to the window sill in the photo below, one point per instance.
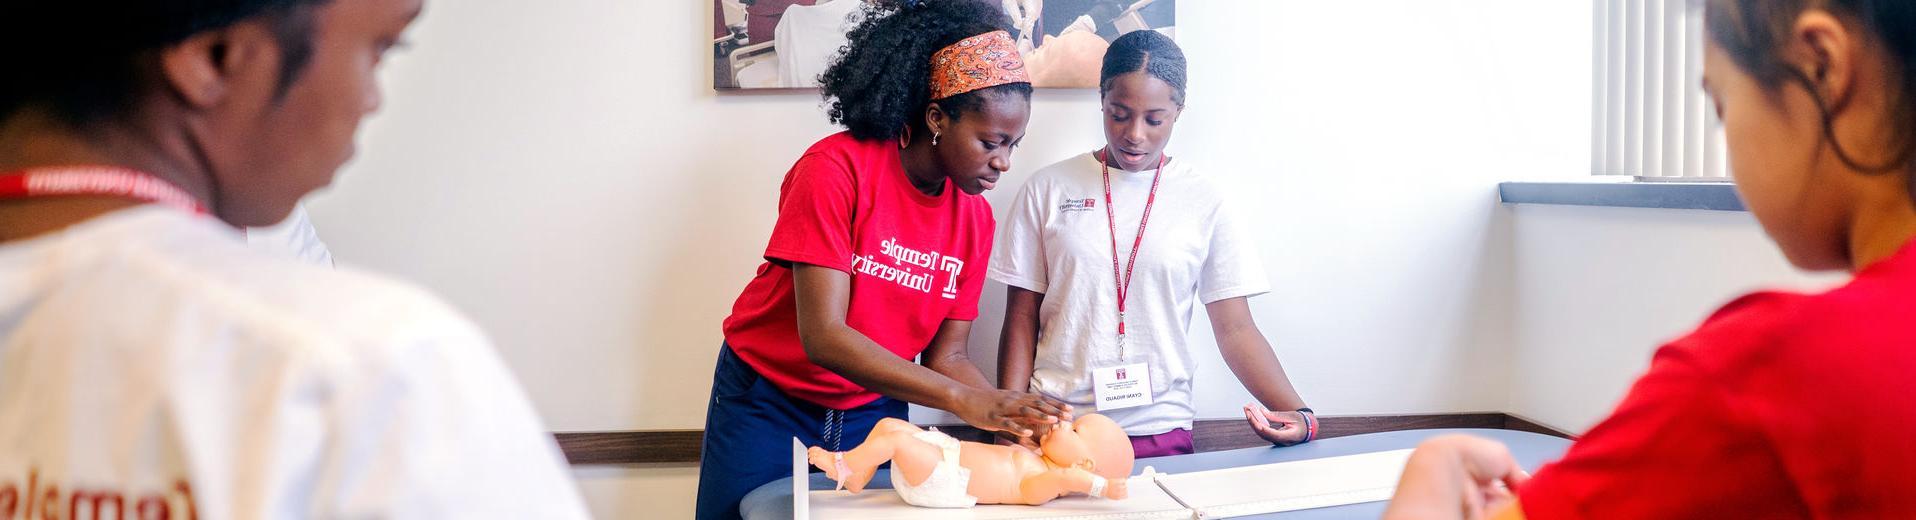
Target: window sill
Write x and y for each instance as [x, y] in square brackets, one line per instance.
[1714, 196]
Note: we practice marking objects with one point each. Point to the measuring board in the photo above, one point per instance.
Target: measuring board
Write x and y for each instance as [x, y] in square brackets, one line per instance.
[1220, 493]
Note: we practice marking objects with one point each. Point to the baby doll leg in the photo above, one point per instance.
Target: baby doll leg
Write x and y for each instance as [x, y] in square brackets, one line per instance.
[890, 440]
[892, 425]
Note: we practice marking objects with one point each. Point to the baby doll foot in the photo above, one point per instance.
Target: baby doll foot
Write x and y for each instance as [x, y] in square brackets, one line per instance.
[833, 464]
[822, 460]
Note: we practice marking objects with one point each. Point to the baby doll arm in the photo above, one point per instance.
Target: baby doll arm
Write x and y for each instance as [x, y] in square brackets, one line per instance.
[1043, 487]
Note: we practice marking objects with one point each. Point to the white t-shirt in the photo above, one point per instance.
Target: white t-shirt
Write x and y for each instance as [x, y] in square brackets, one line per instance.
[151, 361]
[1057, 241]
[294, 237]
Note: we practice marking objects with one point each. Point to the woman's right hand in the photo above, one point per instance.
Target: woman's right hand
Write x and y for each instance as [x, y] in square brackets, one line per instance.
[1020, 413]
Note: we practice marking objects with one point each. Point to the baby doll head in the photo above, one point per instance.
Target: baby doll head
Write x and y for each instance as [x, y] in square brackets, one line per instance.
[1092, 442]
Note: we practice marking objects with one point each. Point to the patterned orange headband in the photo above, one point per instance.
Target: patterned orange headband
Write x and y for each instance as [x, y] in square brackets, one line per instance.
[983, 61]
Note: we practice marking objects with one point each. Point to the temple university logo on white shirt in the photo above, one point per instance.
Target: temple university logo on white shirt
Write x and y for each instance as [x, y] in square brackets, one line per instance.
[901, 269]
[1075, 205]
[47, 496]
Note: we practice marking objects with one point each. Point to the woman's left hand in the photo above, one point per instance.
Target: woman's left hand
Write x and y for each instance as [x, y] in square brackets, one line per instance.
[1281, 428]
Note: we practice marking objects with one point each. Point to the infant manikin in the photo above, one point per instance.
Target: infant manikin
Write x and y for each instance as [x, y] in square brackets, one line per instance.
[1090, 455]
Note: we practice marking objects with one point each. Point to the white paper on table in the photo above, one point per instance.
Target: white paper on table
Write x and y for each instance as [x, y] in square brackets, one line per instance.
[1290, 486]
[1146, 502]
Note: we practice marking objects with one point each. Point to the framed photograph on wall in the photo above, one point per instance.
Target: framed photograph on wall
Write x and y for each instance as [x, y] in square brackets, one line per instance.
[786, 44]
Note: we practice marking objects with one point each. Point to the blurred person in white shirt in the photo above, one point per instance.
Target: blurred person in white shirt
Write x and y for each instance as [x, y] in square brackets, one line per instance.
[295, 237]
[155, 366]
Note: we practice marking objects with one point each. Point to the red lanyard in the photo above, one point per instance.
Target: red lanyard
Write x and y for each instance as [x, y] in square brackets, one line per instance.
[1124, 281]
[110, 181]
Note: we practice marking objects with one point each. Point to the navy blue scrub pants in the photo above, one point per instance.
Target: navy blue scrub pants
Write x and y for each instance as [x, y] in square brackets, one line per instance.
[749, 426]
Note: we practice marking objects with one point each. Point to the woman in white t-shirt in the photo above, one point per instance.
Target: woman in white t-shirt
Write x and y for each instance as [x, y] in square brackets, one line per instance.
[1080, 229]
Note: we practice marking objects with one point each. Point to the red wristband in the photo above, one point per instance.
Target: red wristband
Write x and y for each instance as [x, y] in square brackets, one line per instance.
[1310, 424]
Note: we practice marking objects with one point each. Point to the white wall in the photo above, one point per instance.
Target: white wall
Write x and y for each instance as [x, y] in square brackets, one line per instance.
[1369, 138]
[561, 171]
[1598, 289]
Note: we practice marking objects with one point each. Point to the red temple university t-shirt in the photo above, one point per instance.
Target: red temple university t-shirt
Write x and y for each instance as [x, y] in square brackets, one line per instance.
[915, 261]
[1779, 406]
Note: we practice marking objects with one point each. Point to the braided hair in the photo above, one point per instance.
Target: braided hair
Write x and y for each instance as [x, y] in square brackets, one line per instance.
[1148, 51]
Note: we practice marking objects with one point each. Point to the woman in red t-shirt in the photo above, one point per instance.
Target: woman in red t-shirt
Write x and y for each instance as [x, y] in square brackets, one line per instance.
[1780, 405]
[878, 255]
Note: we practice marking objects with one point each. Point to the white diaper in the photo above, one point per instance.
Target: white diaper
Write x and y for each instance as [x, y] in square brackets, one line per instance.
[948, 482]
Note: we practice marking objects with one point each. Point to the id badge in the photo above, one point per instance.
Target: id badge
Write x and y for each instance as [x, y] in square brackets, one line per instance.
[1122, 386]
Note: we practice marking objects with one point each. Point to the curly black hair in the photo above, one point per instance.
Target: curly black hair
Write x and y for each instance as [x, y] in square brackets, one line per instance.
[881, 80]
[81, 79]
[1147, 51]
